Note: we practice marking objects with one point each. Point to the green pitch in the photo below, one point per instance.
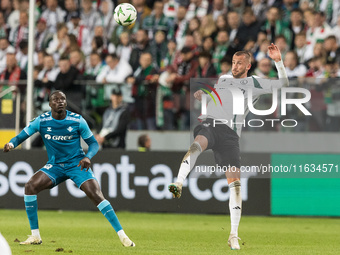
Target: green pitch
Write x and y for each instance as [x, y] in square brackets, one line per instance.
[90, 233]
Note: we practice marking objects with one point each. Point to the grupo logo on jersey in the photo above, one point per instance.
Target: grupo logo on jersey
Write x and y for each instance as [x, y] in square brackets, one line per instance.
[58, 137]
[244, 99]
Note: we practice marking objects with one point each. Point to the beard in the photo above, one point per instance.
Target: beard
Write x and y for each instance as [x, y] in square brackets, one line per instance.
[239, 74]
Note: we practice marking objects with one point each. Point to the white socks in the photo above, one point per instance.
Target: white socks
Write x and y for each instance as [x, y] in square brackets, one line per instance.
[121, 234]
[235, 206]
[189, 161]
[35, 232]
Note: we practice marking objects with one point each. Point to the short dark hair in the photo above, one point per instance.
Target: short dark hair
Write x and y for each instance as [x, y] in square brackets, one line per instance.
[142, 140]
[204, 54]
[54, 92]
[297, 10]
[245, 53]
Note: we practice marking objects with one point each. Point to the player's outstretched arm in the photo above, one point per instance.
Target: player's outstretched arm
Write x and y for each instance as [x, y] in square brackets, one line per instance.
[20, 138]
[275, 54]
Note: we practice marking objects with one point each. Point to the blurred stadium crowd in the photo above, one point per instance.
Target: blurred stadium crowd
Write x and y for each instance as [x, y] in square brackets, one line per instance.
[80, 49]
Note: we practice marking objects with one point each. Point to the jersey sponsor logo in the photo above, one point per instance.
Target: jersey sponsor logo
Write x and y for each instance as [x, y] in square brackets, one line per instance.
[48, 166]
[49, 129]
[58, 137]
[69, 129]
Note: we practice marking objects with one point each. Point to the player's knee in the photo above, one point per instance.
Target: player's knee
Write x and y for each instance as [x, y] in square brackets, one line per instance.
[30, 188]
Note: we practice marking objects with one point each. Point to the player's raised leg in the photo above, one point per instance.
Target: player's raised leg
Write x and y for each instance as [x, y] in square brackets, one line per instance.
[37, 183]
[198, 146]
[235, 207]
[92, 190]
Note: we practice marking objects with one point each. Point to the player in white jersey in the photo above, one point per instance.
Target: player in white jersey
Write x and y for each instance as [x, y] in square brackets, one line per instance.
[223, 137]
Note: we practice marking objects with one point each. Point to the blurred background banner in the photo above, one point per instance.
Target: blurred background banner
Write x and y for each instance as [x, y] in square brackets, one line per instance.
[134, 181]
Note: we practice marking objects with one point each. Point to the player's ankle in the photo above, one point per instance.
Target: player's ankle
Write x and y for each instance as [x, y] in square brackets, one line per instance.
[35, 232]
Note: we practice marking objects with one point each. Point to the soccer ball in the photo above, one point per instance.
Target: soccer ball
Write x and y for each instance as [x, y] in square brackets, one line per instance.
[125, 14]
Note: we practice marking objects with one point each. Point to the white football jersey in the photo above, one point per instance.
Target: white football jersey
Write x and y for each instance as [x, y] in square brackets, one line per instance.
[232, 92]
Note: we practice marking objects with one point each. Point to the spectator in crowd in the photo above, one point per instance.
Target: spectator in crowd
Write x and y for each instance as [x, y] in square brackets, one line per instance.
[98, 46]
[89, 16]
[180, 26]
[170, 9]
[124, 48]
[95, 66]
[315, 67]
[180, 73]
[115, 123]
[44, 82]
[249, 28]
[71, 44]
[40, 59]
[144, 143]
[169, 56]
[218, 9]
[222, 44]
[12, 73]
[296, 25]
[237, 6]
[208, 45]
[286, 10]
[319, 31]
[106, 9]
[77, 60]
[58, 44]
[208, 27]
[194, 25]
[197, 8]
[264, 69]
[141, 45]
[99, 31]
[221, 23]
[301, 48]
[22, 55]
[234, 22]
[21, 31]
[274, 26]
[259, 10]
[282, 44]
[331, 9]
[4, 28]
[142, 12]
[159, 48]
[53, 15]
[6, 9]
[144, 82]
[81, 32]
[336, 31]
[225, 64]
[332, 48]
[14, 15]
[157, 21]
[332, 95]
[263, 50]
[293, 68]
[42, 35]
[116, 71]
[65, 82]
[205, 69]
[71, 6]
[4, 47]
[320, 51]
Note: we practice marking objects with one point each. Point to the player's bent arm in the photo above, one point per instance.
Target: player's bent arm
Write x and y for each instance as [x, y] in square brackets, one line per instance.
[88, 137]
[93, 147]
[26, 132]
[281, 70]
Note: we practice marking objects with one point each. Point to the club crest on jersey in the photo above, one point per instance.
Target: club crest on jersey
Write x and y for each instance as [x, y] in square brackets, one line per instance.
[69, 129]
[49, 129]
[244, 82]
